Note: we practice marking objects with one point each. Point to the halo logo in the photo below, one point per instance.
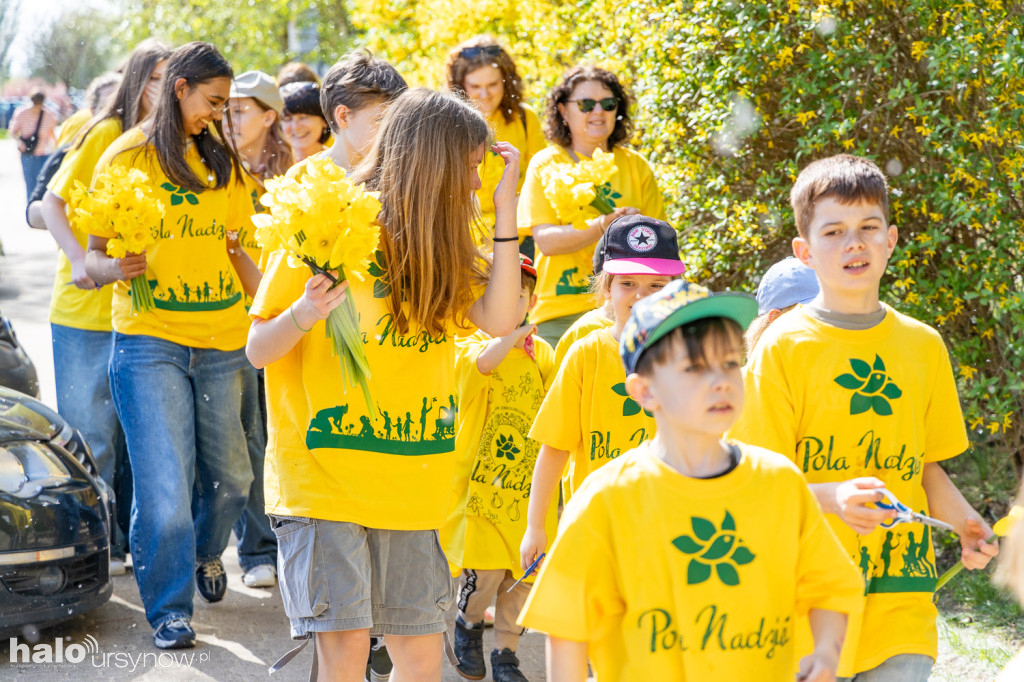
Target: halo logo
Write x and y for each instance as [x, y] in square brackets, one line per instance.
[57, 652]
[642, 239]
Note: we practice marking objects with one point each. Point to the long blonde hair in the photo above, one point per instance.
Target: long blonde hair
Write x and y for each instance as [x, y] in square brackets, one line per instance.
[420, 164]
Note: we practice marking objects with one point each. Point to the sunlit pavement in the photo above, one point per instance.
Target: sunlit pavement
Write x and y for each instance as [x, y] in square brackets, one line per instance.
[239, 637]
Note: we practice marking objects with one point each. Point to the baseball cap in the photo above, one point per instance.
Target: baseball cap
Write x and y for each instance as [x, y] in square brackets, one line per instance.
[679, 303]
[638, 245]
[258, 85]
[786, 283]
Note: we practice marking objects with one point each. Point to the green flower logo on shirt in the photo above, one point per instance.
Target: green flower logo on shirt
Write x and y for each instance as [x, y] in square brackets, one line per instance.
[378, 270]
[506, 447]
[872, 388]
[629, 406]
[713, 547]
[180, 194]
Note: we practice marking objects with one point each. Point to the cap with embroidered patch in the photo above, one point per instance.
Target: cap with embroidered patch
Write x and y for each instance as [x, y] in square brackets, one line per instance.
[679, 303]
[638, 245]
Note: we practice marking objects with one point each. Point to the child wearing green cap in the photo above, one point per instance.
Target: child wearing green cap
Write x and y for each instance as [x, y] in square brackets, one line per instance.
[666, 565]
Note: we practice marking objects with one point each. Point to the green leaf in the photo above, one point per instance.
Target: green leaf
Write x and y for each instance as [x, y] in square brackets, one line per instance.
[192, 198]
[727, 574]
[169, 187]
[720, 547]
[881, 406]
[381, 289]
[702, 528]
[620, 389]
[859, 403]
[849, 381]
[860, 368]
[892, 391]
[697, 572]
[879, 366]
[874, 383]
[687, 545]
[375, 270]
[728, 523]
[742, 555]
[176, 199]
[630, 407]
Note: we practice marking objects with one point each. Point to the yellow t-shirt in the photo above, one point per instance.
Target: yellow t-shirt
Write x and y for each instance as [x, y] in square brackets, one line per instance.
[197, 296]
[844, 404]
[528, 138]
[595, 319]
[68, 130]
[563, 281]
[588, 412]
[667, 577]
[326, 458]
[70, 306]
[494, 458]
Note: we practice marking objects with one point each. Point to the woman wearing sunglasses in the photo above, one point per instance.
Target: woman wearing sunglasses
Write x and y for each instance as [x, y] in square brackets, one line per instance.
[587, 110]
[482, 70]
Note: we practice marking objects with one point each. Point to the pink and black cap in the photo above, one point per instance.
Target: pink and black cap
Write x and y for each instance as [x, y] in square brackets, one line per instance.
[638, 245]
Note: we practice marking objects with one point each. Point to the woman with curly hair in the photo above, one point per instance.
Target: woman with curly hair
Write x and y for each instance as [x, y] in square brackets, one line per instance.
[482, 70]
[587, 110]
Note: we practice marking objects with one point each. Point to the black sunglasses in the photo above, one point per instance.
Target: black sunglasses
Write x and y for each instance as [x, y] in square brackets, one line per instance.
[485, 50]
[587, 105]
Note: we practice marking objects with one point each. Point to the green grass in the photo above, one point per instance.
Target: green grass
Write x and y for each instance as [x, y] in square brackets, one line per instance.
[981, 626]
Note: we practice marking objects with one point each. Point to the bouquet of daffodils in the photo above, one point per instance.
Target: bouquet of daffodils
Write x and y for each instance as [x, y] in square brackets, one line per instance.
[121, 201]
[322, 219]
[573, 188]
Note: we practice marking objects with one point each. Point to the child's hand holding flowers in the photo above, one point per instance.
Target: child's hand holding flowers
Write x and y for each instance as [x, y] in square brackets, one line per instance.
[323, 220]
[122, 202]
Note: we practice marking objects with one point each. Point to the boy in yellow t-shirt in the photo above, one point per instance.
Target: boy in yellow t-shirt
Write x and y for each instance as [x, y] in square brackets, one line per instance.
[862, 398]
[666, 565]
[501, 383]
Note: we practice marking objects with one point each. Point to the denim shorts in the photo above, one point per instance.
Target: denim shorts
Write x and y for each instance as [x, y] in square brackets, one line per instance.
[338, 576]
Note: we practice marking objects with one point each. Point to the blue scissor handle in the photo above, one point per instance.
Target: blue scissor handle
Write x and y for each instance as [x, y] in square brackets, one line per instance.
[893, 503]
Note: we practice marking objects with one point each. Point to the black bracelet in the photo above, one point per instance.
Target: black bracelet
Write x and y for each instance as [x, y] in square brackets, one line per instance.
[504, 239]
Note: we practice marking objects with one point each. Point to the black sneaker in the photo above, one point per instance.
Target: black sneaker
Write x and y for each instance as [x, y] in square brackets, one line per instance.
[176, 633]
[505, 667]
[469, 649]
[211, 580]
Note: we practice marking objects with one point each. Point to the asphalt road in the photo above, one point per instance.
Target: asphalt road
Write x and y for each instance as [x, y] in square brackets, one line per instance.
[240, 637]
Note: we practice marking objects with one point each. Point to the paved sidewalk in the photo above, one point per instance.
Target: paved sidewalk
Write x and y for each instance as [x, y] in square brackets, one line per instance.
[240, 637]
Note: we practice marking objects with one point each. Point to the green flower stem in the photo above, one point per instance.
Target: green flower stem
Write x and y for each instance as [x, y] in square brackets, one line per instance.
[142, 295]
[342, 327]
[956, 568]
[602, 204]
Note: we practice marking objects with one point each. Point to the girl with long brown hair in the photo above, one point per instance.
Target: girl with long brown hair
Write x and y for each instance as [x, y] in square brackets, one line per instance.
[176, 371]
[343, 489]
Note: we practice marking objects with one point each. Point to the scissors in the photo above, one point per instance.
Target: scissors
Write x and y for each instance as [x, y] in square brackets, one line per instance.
[905, 514]
[529, 570]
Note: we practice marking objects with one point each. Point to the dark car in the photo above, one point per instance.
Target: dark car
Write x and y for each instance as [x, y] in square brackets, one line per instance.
[55, 518]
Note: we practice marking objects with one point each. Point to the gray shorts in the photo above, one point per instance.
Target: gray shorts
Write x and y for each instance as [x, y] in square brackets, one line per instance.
[339, 576]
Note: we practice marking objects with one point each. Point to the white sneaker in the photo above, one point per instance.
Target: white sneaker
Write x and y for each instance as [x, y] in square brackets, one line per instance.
[263, 575]
[117, 567]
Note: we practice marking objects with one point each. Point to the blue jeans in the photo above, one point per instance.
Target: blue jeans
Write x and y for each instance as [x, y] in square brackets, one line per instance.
[80, 359]
[181, 412]
[257, 542]
[30, 167]
[899, 668]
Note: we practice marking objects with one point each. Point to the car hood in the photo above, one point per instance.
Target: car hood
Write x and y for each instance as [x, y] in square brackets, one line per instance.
[25, 418]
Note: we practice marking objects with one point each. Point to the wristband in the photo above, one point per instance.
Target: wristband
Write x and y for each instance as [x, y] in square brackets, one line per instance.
[296, 322]
[504, 239]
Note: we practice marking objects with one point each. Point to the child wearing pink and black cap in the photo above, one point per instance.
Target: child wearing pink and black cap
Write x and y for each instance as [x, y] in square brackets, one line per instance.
[587, 419]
